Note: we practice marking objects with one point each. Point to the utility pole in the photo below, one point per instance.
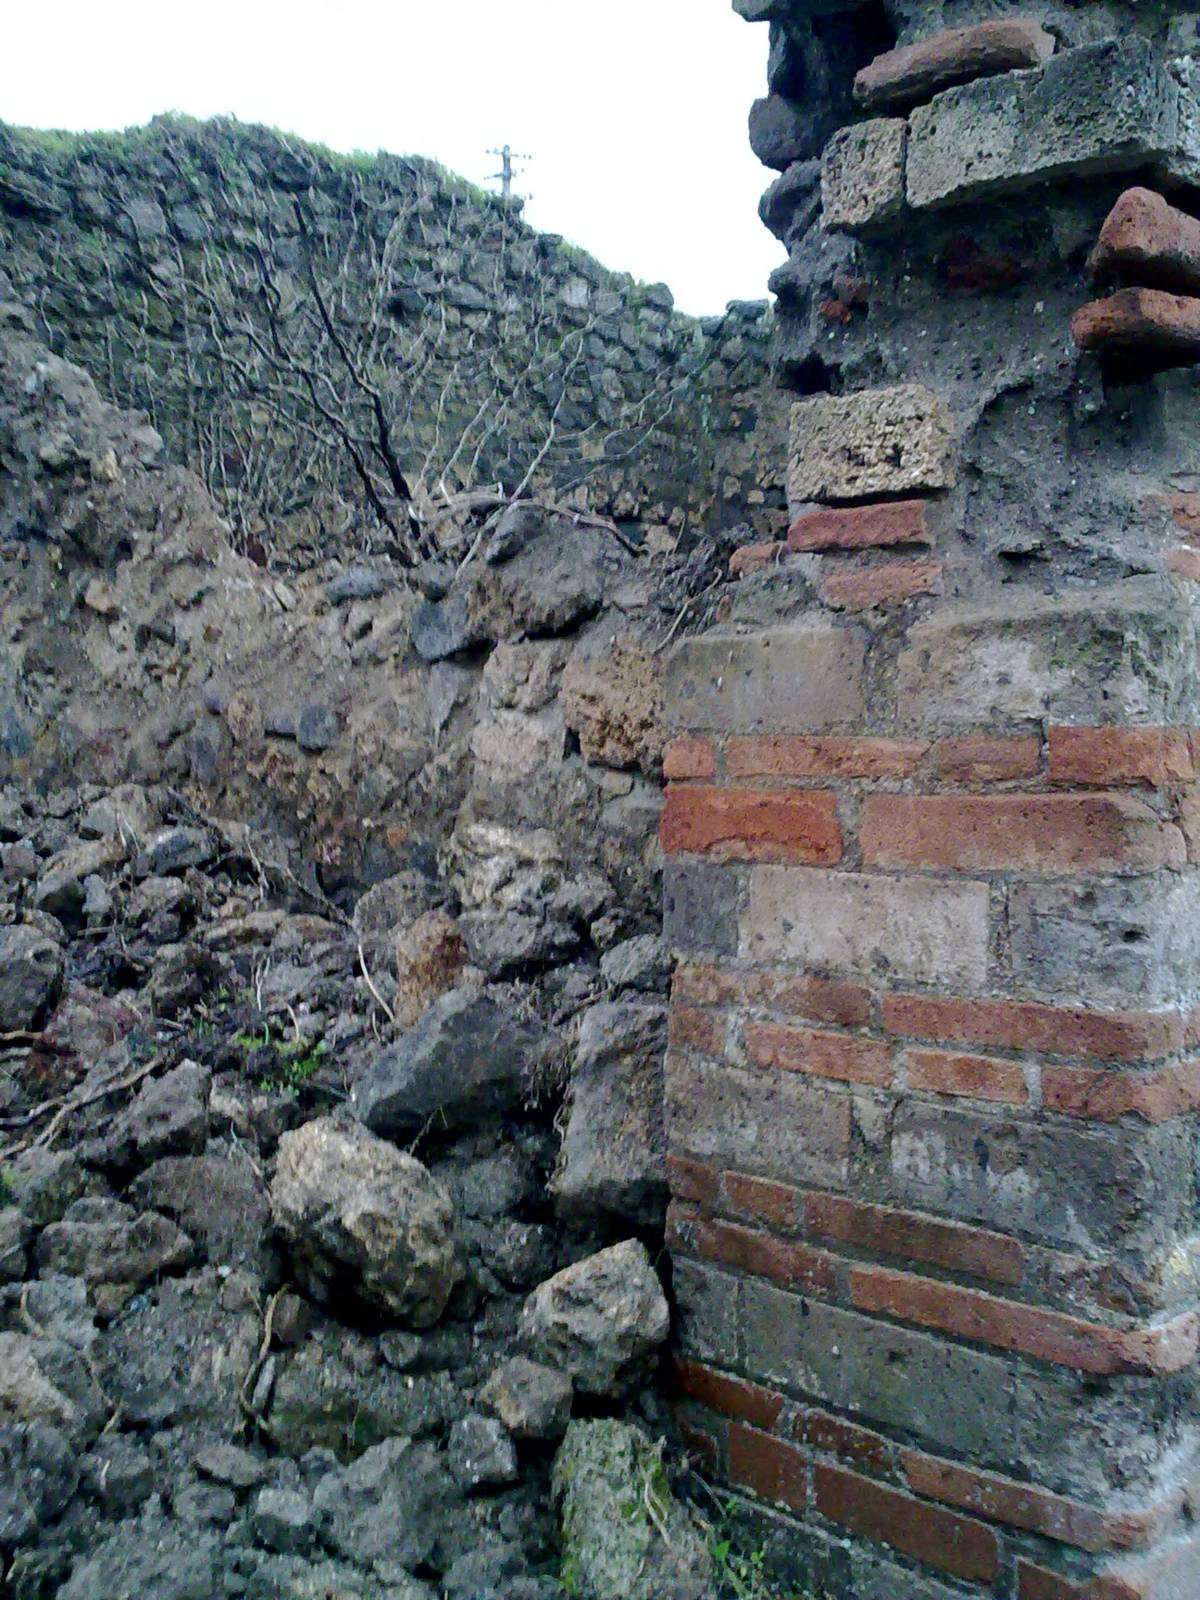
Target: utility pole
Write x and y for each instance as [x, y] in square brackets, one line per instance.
[507, 170]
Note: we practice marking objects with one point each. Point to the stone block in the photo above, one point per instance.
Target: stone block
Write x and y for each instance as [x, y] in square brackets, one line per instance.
[856, 925]
[1123, 942]
[876, 442]
[777, 1123]
[904, 77]
[1108, 107]
[803, 679]
[862, 175]
[783, 132]
[707, 1307]
[1082, 1189]
[951, 1397]
[1124, 652]
[700, 907]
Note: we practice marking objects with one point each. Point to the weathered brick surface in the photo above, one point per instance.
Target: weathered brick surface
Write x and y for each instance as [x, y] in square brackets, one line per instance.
[1018, 1025]
[1148, 241]
[820, 1055]
[1108, 1096]
[885, 1230]
[751, 1250]
[976, 1077]
[904, 77]
[801, 995]
[938, 1538]
[1146, 324]
[862, 175]
[981, 759]
[753, 824]
[689, 758]
[891, 522]
[1022, 1505]
[1033, 833]
[751, 558]
[1011, 1325]
[732, 1397]
[769, 1467]
[783, 757]
[1161, 757]
[889, 584]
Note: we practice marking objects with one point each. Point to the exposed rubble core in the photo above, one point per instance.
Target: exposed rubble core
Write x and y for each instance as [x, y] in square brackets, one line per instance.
[931, 1092]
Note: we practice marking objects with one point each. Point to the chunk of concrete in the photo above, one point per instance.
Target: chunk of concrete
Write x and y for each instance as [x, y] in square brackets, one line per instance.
[862, 175]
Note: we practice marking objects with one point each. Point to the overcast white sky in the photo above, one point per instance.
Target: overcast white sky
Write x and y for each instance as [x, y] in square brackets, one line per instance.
[634, 111]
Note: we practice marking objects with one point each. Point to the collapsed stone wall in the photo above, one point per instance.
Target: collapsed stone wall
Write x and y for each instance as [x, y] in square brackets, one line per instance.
[189, 268]
[931, 1091]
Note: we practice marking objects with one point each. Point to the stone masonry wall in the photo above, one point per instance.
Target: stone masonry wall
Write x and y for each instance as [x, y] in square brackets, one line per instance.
[177, 263]
[932, 1089]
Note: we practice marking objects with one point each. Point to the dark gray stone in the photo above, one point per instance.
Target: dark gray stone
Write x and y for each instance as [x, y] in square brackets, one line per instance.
[31, 972]
[700, 908]
[464, 1060]
[356, 583]
[316, 727]
[480, 1453]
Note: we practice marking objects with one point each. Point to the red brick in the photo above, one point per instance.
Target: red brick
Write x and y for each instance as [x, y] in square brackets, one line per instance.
[820, 1055]
[1184, 563]
[701, 1446]
[1027, 1330]
[1107, 1096]
[912, 1237]
[763, 1199]
[1185, 508]
[696, 1030]
[690, 758]
[755, 558]
[770, 1468]
[754, 824]
[985, 760]
[973, 1077]
[786, 756]
[1147, 240]
[748, 1250]
[832, 1436]
[861, 527]
[817, 999]
[941, 1539]
[857, 588]
[1025, 1025]
[1035, 1583]
[1038, 833]
[732, 1397]
[1023, 1505]
[693, 1180]
[1168, 1577]
[912, 73]
[1145, 324]
[1106, 756]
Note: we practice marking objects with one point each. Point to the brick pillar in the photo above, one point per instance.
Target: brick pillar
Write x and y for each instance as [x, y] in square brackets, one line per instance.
[934, 1079]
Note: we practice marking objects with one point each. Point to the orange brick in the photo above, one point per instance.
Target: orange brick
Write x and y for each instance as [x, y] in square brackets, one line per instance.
[1184, 562]
[693, 1180]
[769, 1467]
[973, 1077]
[1037, 833]
[753, 824]
[797, 756]
[817, 999]
[913, 1237]
[696, 1030]
[858, 588]
[749, 1250]
[755, 558]
[763, 1199]
[834, 1437]
[1146, 324]
[820, 1055]
[732, 1397]
[1026, 1025]
[1023, 1505]
[861, 527]
[986, 760]
[941, 1539]
[1106, 756]
[1107, 1096]
[1027, 1330]
[690, 758]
